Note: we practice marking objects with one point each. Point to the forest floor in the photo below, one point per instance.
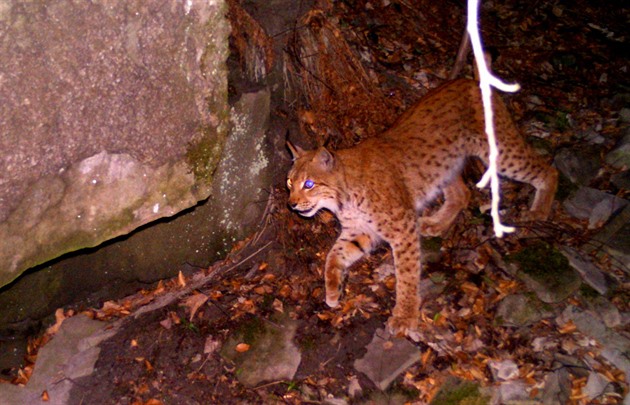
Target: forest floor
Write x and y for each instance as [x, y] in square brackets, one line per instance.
[571, 61]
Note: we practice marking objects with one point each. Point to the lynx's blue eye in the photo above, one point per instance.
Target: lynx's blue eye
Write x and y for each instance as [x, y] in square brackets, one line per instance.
[309, 184]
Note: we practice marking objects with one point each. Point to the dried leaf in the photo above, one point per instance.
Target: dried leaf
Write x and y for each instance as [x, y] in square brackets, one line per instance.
[427, 356]
[285, 291]
[215, 295]
[263, 289]
[469, 288]
[568, 327]
[59, 318]
[324, 316]
[278, 306]
[166, 323]
[160, 288]
[242, 347]
[142, 389]
[211, 345]
[194, 302]
[174, 317]
[181, 280]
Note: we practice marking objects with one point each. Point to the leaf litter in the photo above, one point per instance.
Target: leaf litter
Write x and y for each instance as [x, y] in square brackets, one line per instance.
[399, 50]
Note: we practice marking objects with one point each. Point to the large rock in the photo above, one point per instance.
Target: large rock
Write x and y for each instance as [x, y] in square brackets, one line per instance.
[69, 356]
[579, 165]
[595, 205]
[198, 236]
[113, 114]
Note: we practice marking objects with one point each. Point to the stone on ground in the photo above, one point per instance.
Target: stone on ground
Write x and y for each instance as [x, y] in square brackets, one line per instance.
[386, 358]
[594, 205]
[70, 355]
[579, 165]
[590, 273]
[519, 310]
[263, 351]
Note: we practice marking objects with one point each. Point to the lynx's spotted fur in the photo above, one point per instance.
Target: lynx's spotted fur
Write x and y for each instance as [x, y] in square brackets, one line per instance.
[377, 188]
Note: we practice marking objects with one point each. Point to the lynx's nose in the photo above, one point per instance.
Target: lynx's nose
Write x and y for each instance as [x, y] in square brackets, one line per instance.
[293, 204]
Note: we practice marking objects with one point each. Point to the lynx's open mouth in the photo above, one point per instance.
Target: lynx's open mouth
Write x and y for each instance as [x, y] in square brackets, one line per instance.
[309, 212]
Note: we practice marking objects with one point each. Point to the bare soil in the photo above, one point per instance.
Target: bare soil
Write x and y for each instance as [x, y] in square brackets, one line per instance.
[566, 55]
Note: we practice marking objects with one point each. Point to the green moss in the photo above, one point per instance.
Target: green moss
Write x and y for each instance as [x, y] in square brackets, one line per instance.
[460, 393]
[557, 121]
[588, 292]
[307, 343]
[186, 324]
[251, 330]
[267, 302]
[78, 239]
[543, 263]
[407, 391]
[204, 156]
[534, 302]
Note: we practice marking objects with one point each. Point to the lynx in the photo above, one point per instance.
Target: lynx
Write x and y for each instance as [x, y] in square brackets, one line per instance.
[377, 188]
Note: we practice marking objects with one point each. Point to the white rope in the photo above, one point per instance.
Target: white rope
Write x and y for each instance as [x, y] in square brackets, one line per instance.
[486, 79]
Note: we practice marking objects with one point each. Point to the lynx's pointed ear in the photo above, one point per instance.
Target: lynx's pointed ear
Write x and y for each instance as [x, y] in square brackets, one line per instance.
[324, 158]
[296, 151]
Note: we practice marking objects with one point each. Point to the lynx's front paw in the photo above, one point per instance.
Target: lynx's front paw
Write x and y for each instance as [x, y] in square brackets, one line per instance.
[404, 320]
[332, 298]
[403, 326]
[333, 281]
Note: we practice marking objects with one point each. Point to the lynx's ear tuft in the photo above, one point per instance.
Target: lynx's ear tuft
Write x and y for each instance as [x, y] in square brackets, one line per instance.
[296, 151]
[325, 159]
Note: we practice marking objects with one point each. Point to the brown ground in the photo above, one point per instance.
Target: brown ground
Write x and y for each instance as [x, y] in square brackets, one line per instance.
[555, 51]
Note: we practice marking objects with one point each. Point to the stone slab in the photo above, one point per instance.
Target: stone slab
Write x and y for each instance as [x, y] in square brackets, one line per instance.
[386, 358]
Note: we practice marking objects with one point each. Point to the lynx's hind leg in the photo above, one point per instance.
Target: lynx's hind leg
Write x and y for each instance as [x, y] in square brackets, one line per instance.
[518, 160]
[456, 197]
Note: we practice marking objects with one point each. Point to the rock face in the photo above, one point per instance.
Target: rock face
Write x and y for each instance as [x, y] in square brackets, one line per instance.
[113, 114]
[198, 236]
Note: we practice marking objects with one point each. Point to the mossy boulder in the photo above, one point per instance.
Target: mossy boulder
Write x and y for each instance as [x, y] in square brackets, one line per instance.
[547, 272]
[263, 351]
[124, 124]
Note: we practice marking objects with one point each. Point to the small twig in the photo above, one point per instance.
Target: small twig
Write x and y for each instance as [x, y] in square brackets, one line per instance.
[264, 221]
[203, 363]
[247, 258]
[268, 384]
[330, 359]
[462, 53]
